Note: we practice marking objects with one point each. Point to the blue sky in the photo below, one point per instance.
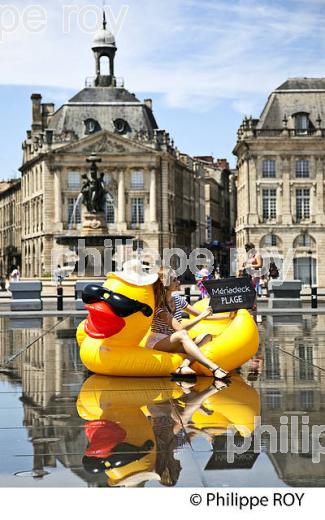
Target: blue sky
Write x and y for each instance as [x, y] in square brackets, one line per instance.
[205, 63]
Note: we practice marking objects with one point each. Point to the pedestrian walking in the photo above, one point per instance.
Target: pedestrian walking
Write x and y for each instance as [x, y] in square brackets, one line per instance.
[15, 274]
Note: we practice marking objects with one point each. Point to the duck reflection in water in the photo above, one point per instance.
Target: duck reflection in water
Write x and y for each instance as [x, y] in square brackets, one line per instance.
[136, 425]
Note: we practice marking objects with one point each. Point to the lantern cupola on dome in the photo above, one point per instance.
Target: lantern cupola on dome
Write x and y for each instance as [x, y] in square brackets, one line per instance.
[104, 47]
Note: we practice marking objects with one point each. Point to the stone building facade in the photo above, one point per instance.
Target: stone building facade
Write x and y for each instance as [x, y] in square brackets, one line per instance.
[217, 197]
[280, 180]
[155, 194]
[10, 225]
[220, 208]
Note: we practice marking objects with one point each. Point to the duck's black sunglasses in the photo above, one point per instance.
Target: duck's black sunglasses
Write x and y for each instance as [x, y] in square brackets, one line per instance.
[123, 454]
[121, 305]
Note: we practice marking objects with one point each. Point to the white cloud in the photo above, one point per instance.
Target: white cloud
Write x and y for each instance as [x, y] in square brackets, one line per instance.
[193, 52]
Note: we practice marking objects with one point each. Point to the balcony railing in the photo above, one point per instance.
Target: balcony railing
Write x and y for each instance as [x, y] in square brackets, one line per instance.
[270, 132]
[90, 82]
[138, 226]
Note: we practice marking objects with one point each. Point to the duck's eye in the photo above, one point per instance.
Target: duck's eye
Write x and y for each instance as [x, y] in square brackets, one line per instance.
[106, 295]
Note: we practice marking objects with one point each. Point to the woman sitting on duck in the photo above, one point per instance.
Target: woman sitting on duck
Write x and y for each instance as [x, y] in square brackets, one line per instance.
[169, 335]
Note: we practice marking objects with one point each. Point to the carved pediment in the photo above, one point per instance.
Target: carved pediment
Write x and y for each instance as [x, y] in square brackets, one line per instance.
[104, 142]
[106, 145]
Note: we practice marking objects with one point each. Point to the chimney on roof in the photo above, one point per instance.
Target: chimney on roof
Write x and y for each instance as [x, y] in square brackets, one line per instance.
[148, 102]
[223, 164]
[36, 112]
[205, 158]
[47, 111]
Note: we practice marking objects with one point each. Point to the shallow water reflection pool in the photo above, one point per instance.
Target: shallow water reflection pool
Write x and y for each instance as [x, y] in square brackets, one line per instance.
[60, 426]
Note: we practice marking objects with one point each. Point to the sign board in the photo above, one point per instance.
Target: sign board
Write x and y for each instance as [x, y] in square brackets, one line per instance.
[230, 294]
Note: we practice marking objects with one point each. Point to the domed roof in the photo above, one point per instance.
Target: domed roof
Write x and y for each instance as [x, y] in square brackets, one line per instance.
[103, 38]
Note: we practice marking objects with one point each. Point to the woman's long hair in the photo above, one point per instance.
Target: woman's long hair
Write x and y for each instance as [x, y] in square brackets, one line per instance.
[160, 295]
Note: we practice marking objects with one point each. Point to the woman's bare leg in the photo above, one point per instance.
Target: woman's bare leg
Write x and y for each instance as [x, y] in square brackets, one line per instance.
[181, 342]
[202, 339]
[193, 401]
[200, 342]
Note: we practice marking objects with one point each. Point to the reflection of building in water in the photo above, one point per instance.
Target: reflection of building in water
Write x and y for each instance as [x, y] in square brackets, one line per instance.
[43, 368]
[10, 342]
[49, 404]
[291, 384]
[47, 371]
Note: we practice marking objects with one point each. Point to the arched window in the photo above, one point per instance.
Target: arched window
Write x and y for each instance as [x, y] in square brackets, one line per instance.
[109, 209]
[104, 66]
[304, 240]
[91, 126]
[270, 240]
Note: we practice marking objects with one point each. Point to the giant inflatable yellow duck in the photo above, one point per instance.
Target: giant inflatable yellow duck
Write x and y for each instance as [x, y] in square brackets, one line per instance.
[111, 339]
[119, 427]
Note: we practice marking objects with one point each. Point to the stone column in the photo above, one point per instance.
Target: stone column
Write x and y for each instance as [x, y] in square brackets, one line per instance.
[247, 188]
[286, 192]
[40, 214]
[152, 199]
[319, 191]
[251, 187]
[57, 197]
[121, 198]
[165, 209]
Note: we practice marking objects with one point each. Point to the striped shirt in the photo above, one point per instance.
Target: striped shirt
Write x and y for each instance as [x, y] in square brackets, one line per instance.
[180, 304]
[160, 326]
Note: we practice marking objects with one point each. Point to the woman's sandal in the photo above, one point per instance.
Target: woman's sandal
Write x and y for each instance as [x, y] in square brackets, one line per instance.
[219, 373]
[186, 386]
[220, 384]
[179, 374]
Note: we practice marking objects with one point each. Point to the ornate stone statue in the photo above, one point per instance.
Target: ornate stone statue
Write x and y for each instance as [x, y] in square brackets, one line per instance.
[98, 194]
[92, 189]
[86, 192]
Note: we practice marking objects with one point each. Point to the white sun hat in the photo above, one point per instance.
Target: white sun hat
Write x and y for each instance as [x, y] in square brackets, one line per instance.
[136, 273]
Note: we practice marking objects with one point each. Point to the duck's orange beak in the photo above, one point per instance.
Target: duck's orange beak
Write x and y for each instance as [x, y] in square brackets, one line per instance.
[102, 322]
